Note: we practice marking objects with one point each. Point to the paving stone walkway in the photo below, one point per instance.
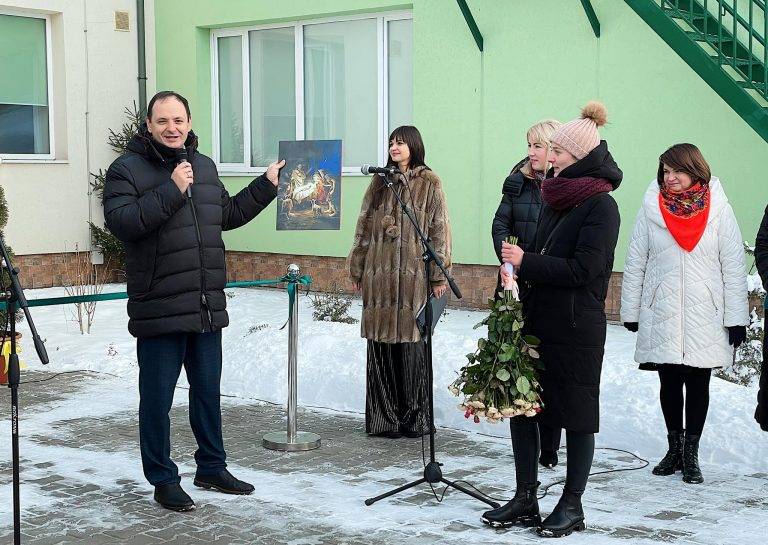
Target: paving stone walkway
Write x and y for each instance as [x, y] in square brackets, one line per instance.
[82, 482]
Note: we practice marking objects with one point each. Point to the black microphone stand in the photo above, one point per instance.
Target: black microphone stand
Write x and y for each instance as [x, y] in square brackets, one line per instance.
[14, 296]
[432, 472]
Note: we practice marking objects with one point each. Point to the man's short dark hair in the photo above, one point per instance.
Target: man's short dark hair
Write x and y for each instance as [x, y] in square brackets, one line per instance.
[162, 95]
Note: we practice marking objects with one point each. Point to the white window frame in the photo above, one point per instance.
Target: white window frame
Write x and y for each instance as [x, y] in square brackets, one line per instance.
[244, 167]
[49, 76]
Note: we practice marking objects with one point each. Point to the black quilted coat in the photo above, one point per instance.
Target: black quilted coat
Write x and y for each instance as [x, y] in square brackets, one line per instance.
[174, 251]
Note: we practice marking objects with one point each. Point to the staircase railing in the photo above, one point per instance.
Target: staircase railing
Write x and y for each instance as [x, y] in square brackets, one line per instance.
[736, 30]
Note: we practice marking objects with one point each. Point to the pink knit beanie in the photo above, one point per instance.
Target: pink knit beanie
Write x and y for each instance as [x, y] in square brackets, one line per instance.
[580, 136]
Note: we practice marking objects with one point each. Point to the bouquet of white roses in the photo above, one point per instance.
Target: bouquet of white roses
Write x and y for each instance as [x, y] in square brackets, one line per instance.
[501, 379]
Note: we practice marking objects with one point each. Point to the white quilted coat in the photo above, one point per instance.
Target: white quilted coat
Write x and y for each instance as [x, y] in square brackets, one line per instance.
[684, 301]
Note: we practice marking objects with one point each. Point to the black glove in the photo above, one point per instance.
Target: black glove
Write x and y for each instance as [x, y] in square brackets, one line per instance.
[632, 326]
[737, 334]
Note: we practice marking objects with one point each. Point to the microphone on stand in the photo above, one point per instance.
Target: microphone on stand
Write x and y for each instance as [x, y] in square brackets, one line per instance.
[368, 169]
[182, 157]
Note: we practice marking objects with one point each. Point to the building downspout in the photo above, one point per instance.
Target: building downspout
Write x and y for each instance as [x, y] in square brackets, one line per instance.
[89, 190]
[142, 77]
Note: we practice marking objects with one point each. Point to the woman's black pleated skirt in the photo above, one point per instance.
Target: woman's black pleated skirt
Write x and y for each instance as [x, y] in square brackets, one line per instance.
[396, 388]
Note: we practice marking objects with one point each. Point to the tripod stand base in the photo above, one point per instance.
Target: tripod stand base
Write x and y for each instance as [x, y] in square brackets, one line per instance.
[433, 475]
[278, 440]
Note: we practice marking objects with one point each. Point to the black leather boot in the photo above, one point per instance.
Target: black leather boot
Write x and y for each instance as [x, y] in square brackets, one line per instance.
[548, 458]
[566, 518]
[673, 459]
[691, 470]
[521, 510]
[172, 496]
[225, 482]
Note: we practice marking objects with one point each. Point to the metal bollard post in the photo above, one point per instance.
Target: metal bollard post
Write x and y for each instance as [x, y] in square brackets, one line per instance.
[292, 440]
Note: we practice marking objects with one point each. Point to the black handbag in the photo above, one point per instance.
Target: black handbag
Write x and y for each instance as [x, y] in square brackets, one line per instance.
[438, 306]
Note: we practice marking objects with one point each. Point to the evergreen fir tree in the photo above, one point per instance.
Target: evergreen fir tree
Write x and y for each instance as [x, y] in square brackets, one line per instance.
[103, 239]
[5, 280]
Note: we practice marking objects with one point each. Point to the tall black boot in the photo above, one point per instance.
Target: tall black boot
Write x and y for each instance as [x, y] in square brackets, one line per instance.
[691, 470]
[566, 518]
[550, 442]
[521, 510]
[673, 459]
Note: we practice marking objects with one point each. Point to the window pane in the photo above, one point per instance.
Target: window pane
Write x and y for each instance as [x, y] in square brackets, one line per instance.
[24, 129]
[340, 87]
[23, 73]
[23, 86]
[400, 71]
[273, 92]
[231, 99]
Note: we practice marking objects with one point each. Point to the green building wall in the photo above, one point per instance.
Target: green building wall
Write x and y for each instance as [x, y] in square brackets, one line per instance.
[541, 59]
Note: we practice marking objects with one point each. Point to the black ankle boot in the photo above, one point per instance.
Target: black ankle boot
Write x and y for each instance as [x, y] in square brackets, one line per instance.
[673, 459]
[522, 510]
[691, 470]
[566, 518]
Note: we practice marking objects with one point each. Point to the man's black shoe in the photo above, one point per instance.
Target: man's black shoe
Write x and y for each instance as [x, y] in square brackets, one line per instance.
[224, 482]
[172, 496]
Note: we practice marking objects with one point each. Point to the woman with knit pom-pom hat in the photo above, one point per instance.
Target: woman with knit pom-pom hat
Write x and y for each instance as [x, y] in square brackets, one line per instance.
[568, 273]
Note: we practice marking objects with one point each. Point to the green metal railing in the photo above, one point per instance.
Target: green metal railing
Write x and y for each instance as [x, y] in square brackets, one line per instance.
[724, 42]
[736, 30]
[292, 282]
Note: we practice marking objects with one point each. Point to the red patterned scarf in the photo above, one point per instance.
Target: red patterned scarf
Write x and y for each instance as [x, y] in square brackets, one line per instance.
[563, 193]
[685, 214]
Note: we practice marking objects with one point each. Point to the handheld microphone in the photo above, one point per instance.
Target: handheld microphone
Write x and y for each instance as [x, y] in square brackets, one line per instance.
[368, 169]
[181, 157]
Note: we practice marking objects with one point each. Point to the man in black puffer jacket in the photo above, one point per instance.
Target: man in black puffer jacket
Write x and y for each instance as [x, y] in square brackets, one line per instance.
[165, 201]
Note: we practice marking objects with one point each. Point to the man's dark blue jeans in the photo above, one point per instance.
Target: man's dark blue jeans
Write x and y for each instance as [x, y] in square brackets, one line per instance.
[160, 362]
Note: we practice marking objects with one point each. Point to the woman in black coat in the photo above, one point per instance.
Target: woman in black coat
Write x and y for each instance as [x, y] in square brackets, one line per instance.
[567, 275]
[761, 259]
[518, 215]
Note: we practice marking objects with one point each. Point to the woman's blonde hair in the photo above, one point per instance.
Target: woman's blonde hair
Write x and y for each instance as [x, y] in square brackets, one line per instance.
[540, 133]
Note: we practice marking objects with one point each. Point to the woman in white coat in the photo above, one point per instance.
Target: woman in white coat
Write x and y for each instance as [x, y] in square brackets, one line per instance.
[684, 292]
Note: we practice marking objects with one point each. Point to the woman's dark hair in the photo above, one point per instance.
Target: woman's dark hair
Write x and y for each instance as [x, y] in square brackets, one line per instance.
[684, 158]
[411, 136]
[162, 95]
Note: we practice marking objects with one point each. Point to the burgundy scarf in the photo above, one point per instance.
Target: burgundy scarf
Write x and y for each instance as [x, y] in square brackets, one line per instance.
[564, 193]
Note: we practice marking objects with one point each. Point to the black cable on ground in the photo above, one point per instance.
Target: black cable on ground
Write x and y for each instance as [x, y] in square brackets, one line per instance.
[546, 488]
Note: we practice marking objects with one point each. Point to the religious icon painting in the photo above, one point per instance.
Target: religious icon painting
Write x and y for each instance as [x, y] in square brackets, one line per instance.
[309, 189]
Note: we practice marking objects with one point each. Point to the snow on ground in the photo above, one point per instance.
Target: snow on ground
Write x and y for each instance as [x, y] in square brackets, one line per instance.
[331, 362]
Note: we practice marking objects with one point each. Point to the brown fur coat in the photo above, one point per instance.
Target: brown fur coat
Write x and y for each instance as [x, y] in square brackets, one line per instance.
[386, 256]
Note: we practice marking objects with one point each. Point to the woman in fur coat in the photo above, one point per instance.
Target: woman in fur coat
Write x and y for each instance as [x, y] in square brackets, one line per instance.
[385, 264]
[567, 271]
[684, 292]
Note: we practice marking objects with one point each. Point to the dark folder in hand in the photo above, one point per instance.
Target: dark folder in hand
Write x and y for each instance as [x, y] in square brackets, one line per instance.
[438, 306]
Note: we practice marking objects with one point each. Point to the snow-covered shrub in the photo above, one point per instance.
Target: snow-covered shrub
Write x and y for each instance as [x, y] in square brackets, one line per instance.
[332, 306]
[749, 355]
[254, 328]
